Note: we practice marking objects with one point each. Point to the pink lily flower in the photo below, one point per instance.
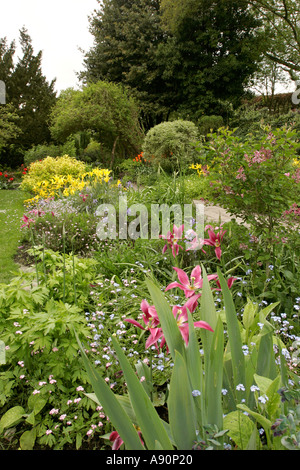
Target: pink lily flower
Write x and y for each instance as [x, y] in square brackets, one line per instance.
[190, 285]
[215, 240]
[118, 441]
[196, 243]
[172, 239]
[151, 321]
[230, 281]
[181, 315]
[27, 221]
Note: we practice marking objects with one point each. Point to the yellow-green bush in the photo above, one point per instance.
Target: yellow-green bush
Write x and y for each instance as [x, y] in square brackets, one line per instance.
[50, 168]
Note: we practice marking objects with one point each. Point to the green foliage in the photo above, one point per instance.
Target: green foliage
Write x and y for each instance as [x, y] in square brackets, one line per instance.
[39, 152]
[283, 48]
[51, 167]
[207, 124]
[197, 409]
[177, 58]
[28, 93]
[9, 129]
[127, 35]
[212, 49]
[245, 175]
[170, 144]
[104, 109]
[37, 322]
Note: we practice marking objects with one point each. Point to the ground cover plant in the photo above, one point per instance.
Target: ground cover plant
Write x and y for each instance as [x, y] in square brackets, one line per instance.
[122, 343]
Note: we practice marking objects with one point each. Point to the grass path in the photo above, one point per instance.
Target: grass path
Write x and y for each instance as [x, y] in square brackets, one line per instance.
[11, 211]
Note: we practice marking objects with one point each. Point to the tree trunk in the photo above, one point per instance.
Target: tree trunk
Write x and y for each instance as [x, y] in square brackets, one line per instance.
[113, 152]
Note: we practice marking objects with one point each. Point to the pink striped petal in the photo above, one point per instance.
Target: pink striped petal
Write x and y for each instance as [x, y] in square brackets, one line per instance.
[182, 276]
[135, 323]
[203, 324]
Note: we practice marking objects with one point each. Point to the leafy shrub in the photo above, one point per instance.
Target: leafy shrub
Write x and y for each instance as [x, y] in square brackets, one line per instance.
[208, 124]
[170, 144]
[39, 152]
[6, 180]
[245, 176]
[42, 371]
[45, 170]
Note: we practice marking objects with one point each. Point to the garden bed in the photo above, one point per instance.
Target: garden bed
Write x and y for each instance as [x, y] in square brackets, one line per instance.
[126, 341]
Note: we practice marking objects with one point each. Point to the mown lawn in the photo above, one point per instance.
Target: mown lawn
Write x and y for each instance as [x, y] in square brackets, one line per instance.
[11, 211]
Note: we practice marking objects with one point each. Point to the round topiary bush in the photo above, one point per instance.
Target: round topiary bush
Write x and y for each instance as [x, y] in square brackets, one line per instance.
[171, 144]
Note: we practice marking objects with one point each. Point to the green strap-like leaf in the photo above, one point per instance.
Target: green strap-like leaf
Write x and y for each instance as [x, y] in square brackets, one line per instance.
[168, 323]
[151, 425]
[207, 313]
[181, 407]
[111, 406]
[234, 335]
[195, 371]
[214, 378]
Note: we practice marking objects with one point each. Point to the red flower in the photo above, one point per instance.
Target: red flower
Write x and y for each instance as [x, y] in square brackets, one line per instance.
[118, 441]
[1, 173]
[11, 179]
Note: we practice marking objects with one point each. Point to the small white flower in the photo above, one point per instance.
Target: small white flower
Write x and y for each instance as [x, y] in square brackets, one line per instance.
[240, 387]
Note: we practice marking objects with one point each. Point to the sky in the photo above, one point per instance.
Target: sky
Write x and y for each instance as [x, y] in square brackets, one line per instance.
[57, 28]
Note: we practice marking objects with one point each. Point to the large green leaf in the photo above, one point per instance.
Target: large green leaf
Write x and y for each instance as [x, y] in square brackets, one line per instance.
[168, 322]
[151, 425]
[240, 428]
[181, 407]
[214, 378]
[27, 440]
[112, 406]
[270, 389]
[266, 366]
[262, 420]
[11, 417]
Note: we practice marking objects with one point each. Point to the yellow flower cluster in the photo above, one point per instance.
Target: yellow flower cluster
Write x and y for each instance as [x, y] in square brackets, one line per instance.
[201, 169]
[59, 186]
[296, 162]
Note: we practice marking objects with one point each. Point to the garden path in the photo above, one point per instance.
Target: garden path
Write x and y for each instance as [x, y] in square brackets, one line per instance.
[217, 214]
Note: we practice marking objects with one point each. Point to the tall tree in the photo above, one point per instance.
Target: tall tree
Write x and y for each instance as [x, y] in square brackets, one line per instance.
[29, 94]
[103, 109]
[281, 19]
[201, 54]
[9, 129]
[215, 46]
[127, 34]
